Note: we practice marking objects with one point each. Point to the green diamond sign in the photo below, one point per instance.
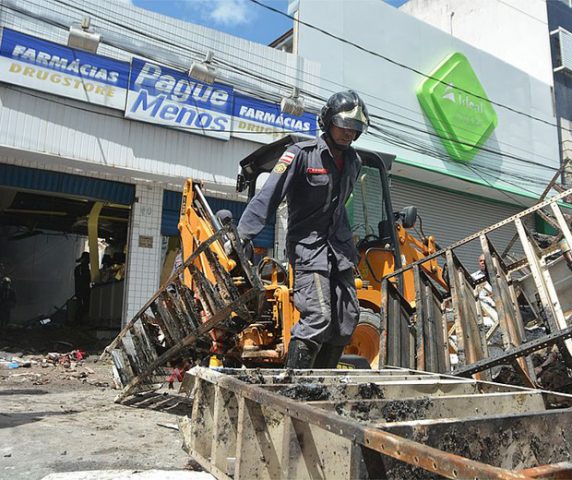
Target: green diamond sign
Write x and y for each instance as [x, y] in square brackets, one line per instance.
[458, 107]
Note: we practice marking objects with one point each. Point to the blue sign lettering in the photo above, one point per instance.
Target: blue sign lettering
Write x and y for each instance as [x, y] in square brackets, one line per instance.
[263, 122]
[30, 62]
[158, 94]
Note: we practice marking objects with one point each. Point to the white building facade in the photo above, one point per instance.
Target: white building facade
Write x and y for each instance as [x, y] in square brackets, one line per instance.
[113, 135]
[123, 128]
[426, 89]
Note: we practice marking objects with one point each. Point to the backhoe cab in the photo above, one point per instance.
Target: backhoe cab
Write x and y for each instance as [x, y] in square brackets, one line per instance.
[380, 234]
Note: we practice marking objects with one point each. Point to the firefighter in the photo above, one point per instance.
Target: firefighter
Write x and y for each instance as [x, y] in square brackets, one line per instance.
[317, 178]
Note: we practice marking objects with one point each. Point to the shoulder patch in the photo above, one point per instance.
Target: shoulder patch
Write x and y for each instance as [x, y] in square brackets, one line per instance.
[280, 168]
[287, 158]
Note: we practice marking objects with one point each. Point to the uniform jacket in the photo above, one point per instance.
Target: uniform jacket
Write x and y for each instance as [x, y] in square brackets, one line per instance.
[316, 193]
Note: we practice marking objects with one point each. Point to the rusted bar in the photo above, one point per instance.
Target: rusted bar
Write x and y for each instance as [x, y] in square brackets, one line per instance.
[408, 451]
[399, 348]
[211, 323]
[507, 356]
[554, 471]
[432, 327]
[546, 291]
[202, 247]
[476, 235]
[508, 314]
[420, 321]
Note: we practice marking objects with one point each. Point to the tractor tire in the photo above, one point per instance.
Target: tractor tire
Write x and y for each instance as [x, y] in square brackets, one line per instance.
[351, 362]
[366, 338]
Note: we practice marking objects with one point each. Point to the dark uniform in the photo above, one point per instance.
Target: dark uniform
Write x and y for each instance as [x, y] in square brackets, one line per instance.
[82, 280]
[319, 238]
[7, 301]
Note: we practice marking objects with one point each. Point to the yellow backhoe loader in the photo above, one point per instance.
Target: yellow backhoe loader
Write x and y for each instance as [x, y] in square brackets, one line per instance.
[383, 241]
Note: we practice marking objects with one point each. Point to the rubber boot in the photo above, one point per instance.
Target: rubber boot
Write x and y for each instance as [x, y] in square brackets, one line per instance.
[329, 356]
[301, 354]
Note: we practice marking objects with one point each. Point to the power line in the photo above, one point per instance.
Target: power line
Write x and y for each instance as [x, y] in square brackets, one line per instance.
[203, 130]
[440, 156]
[401, 65]
[263, 94]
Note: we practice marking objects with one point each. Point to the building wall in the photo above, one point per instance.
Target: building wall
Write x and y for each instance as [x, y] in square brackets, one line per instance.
[49, 132]
[144, 255]
[560, 16]
[396, 53]
[516, 31]
[93, 137]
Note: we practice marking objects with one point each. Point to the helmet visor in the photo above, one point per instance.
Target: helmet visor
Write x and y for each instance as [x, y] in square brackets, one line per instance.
[354, 119]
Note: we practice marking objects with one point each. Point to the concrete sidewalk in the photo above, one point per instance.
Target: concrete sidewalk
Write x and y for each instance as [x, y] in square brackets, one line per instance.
[130, 475]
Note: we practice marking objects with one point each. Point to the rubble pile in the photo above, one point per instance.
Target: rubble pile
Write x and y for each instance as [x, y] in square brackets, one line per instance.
[53, 367]
[552, 371]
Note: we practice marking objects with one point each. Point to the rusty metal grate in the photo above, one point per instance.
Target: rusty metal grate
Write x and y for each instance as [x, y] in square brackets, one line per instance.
[180, 323]
[390, 423]
[535, 273]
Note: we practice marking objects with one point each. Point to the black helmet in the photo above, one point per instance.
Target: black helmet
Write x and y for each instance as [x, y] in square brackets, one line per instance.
[345, 110]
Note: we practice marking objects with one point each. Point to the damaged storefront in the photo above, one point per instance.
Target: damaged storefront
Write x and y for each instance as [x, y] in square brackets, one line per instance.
[49, 219]
[100, 127]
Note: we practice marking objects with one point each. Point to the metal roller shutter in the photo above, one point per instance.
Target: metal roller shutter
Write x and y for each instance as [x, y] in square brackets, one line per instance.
[450, 216]
[171, 212]
[65, 183]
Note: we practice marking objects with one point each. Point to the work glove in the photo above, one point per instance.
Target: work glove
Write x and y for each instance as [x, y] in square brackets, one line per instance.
[247, 248]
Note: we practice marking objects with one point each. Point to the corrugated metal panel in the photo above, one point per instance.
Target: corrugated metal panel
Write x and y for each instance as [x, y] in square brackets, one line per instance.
[171, 210]
[47, 181]
[450, 217]
[65, 128]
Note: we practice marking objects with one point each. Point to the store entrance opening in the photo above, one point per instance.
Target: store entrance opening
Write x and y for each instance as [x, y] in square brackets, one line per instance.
[64, 256]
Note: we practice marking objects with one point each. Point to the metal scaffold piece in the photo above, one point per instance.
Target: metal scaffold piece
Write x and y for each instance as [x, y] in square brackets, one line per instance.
[198, 306]
[476, 323]
[390, 423]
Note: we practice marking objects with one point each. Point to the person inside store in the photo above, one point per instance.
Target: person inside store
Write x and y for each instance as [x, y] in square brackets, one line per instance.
[482, 271]
[106, 272]
[317, 177]
[7, 301]
[118, 266]
[82, 280]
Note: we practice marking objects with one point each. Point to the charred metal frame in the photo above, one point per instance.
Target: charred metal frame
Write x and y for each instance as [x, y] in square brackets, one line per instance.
[412, 336]
[390, 423]
[174, 324]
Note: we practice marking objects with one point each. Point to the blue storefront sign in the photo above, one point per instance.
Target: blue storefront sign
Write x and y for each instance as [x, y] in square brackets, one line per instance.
[46, 66]
[263, 122]
[158, 94]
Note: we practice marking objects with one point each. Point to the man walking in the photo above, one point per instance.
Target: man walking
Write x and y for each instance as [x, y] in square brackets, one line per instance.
[317, 178]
